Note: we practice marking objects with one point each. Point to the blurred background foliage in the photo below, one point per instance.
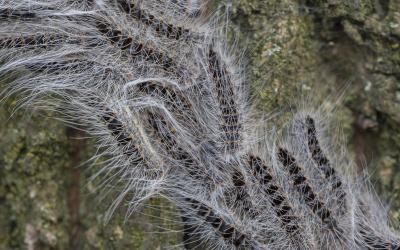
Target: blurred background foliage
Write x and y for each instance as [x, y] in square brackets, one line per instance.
[320, 49]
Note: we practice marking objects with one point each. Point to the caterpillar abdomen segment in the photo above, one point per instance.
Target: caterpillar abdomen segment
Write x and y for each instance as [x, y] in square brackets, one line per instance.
[22, 15]
[230, 123]
[226, 230]
[136, 49]
[159, 26]
[303, 187]
[321, 159]
[279, 202]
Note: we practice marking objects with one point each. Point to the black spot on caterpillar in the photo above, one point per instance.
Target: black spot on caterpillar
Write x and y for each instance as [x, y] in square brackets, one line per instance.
[302, 186]
[238, 179]
[230, 124]
[279, 203]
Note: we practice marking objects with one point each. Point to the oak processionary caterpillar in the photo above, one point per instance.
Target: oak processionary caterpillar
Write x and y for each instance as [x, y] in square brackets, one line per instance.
[160, 90]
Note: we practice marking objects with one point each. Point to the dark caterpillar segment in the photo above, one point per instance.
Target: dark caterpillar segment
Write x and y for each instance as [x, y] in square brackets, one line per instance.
[320, 158]
[238, 179]
[41, 40]
[10, 14]
[136, 49]
[89, 2]
[86, 4]
[241, 196]
[174, 99]
[169, 94]
[223, 228]
[279, 203]
[44, 41]
[58, 67]
[368, 238]
[164, 133]
[117, 130]
[230, 124]
[373, 242]
[313, 144]
[302, 186]
[25, 14]
[160, 26]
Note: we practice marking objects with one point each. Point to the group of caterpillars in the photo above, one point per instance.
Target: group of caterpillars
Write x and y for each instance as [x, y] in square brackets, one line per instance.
[180, 110]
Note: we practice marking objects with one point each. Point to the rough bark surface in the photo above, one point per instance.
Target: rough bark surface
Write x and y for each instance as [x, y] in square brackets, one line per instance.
[295, 49]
